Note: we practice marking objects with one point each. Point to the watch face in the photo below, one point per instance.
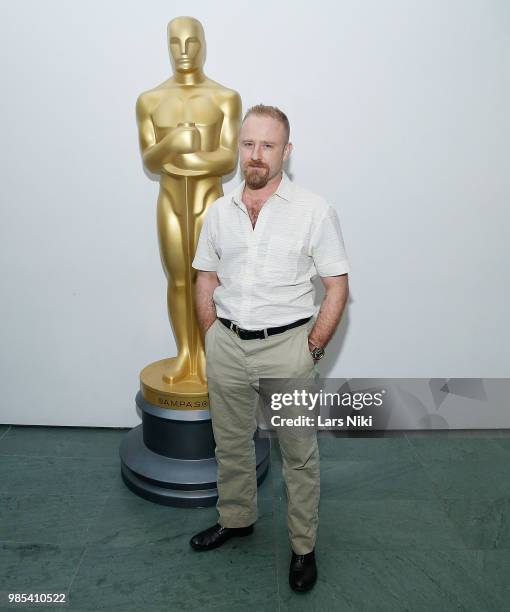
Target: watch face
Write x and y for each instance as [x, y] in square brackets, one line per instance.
[318, 353]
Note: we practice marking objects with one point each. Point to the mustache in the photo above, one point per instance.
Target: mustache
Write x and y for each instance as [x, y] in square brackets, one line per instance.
[256, 165]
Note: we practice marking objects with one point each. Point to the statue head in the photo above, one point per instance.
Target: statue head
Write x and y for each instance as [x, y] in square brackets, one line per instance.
[186, 44]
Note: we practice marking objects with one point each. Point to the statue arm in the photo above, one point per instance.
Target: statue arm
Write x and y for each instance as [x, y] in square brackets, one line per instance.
[223, 159]
[156, 154]
[152, 153]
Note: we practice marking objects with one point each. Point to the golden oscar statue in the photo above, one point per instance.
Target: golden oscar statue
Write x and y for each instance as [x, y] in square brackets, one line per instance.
[188, 128]
[188, 131]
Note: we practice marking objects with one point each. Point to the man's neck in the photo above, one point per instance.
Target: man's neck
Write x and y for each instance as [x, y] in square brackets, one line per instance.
[190, 78]
[263, 194]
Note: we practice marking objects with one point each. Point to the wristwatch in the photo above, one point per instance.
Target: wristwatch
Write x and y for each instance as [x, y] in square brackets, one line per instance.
[317, 352]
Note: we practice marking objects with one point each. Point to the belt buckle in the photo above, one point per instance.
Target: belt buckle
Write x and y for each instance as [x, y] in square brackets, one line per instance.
[237, 331]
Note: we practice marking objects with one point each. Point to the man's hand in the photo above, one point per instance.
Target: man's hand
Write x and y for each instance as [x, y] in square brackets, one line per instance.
[205, 285]
[337, 292]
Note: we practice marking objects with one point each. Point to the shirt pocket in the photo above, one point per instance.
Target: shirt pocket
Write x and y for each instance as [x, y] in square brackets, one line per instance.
[232, 260]
[282, 258]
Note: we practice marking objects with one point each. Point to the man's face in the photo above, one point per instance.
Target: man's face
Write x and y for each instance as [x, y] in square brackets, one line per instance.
[262, 150]
[186, 44]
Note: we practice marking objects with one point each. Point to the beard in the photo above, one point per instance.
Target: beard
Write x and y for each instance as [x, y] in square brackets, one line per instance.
[256, 175]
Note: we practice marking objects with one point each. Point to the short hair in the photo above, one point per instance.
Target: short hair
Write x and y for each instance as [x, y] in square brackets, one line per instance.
[262, 110]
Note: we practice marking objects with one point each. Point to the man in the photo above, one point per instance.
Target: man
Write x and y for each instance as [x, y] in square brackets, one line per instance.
[259, 247]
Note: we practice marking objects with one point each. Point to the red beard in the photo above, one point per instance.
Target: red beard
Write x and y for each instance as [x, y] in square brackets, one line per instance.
[256, 179]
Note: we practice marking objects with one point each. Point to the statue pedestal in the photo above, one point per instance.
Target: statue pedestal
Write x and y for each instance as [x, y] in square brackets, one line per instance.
[169, 459]
[190, 393]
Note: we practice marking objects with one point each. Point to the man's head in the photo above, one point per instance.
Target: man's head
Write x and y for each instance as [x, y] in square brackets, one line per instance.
[263, 144]
[186, 43]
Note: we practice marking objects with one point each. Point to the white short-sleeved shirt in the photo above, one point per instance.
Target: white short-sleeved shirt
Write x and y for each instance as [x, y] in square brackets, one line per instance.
[265, 272]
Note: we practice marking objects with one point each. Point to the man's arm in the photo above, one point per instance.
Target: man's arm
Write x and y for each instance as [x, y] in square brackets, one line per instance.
[205, 285]
[330, 313]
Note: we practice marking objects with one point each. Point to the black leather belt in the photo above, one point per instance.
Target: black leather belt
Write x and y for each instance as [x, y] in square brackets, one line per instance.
[250, 334]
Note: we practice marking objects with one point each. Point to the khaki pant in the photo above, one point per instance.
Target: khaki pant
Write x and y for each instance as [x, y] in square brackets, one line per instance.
[233, 368]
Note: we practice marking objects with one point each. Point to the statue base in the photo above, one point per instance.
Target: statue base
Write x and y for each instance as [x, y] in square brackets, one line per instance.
[169, 459]
[158, 388]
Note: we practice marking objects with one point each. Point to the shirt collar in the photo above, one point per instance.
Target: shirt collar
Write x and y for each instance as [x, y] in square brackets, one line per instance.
[284, 191]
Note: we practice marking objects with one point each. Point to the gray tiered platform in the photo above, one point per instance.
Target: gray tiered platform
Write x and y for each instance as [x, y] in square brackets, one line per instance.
[169, 458]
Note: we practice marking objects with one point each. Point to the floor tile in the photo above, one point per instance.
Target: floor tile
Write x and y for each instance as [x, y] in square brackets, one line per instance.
[31, 567]
[48, 518]
[162, 577]
[393, 581]
[396, 479]
[388, 524]
[408, 521]
[21, 475]
[493, 569]
[129, 522]
[504, 443]
[365, 448]
[458, 433]
[457, 449]
[483, 478]
[62, 441]
[482, 524]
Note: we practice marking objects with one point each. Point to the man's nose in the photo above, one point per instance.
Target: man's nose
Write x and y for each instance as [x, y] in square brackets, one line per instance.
[255, 152]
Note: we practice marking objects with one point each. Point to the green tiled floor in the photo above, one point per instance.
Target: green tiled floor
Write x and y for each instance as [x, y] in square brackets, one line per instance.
[408, 521]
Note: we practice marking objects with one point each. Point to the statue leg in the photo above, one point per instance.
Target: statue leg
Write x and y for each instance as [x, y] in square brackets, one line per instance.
[181, 207]
[201, 194]
[171, 216]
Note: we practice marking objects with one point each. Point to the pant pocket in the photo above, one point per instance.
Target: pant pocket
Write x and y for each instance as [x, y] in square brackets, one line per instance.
[209, 331]
[305, 341]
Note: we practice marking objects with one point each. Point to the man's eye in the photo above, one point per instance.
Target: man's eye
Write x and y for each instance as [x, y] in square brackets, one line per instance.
[248, 144]
[268, 146]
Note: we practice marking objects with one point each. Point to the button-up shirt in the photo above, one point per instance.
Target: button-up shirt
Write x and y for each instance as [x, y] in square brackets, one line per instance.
[265, 272]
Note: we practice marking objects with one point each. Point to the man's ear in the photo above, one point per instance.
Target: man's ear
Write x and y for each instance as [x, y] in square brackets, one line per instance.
[287, 150]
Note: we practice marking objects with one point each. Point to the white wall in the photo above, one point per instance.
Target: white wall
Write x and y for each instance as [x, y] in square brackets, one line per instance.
[399, 115]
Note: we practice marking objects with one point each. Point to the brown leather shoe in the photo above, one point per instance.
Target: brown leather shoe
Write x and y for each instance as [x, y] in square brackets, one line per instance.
[302, 572]
[216, 535]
